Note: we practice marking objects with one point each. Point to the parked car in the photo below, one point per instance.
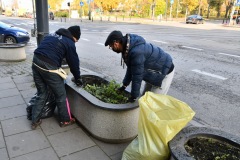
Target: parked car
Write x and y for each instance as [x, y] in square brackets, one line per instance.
[195, 19]
[238, 20]
[51, 16]
[13, 34]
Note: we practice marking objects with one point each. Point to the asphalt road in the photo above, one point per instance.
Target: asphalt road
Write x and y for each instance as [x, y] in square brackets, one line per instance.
[206, 57]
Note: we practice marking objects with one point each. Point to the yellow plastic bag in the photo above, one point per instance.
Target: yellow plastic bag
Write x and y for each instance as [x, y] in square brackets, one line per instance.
[161, 118]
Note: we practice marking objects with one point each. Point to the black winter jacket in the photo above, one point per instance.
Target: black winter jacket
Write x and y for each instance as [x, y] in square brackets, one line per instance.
[144, 62]
[57, 46]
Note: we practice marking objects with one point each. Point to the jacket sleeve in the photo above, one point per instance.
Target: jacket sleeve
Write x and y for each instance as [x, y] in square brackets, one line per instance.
[73, 61]
[128, 77]
[137, 69]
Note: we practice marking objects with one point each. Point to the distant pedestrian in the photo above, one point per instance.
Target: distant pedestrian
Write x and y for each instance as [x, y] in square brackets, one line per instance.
[144, 61]
[49, 56]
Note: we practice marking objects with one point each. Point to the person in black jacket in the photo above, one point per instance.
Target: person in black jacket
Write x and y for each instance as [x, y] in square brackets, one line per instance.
[144, 61]
[49, 56]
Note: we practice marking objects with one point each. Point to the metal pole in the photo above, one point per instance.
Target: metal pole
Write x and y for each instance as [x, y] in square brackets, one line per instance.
[0, 7]
[69, 13]
[171, 12]
[81, 13]
[81, 10]
[177, 9]
[233, 9]
[34, 19]
[166, 10]
[42, 19]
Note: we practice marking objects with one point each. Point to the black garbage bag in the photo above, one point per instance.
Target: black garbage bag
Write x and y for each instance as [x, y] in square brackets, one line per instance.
[48, 108]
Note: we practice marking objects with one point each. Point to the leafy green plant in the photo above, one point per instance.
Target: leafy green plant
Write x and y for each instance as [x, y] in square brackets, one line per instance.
[108, 92]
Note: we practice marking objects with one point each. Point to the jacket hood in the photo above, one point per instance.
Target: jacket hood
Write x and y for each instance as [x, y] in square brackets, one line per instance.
[136, 40]
[65, 32]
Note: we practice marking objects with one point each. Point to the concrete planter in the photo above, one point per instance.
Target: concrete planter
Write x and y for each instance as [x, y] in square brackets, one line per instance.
[113, 123]
[177, 148]
[12, 52]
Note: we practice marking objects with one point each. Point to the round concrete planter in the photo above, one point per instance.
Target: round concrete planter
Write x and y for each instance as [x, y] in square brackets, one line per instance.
[113, 123]
[12, 52]
[177, 148]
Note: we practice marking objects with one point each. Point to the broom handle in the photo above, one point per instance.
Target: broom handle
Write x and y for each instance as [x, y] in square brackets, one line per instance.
[68, 108]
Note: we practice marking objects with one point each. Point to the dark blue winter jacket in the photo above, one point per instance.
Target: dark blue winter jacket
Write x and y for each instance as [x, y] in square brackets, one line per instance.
[57, 46]
[144, 62]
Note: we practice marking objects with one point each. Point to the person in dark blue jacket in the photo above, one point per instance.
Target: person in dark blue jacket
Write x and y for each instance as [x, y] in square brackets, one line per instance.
[145, 62]
[48, 57]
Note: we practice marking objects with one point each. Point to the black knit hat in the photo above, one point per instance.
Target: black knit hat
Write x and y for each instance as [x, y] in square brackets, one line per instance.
[113, 36]
[75, 31]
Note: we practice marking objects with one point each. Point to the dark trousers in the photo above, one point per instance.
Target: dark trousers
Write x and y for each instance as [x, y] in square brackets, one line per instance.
[43, 80]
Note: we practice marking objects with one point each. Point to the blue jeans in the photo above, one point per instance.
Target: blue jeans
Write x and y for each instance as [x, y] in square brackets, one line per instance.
[45, 80]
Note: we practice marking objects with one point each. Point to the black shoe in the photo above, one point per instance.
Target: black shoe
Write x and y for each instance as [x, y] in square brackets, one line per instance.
[35, 125]
[64, 124]
[29, 113]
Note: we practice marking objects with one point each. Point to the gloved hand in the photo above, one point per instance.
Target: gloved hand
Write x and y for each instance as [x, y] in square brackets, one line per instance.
[131, 99]
[79, 82]
[122, 88]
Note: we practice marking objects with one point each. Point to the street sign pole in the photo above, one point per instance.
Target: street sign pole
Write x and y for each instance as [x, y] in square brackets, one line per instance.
[233, 9]
[81, 12]
[171, 2]
[166, 10]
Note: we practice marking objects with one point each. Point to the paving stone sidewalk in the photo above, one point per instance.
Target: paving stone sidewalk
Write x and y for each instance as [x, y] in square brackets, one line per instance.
[48, 142]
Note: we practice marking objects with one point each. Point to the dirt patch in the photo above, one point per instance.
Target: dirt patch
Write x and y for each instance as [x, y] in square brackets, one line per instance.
[204, 148]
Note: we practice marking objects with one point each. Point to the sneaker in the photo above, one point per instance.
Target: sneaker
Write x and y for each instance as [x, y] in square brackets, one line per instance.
[64, 124]
[35, 125]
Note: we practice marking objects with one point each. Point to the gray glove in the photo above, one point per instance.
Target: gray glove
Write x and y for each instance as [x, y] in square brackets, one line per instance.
[122, 88]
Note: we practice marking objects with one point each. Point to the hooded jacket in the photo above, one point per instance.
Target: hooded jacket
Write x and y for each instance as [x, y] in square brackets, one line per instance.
[144, 62]
[57, 46]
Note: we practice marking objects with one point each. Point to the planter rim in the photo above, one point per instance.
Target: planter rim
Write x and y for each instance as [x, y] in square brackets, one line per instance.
[177, 148]
[14, 45]
[95, 101]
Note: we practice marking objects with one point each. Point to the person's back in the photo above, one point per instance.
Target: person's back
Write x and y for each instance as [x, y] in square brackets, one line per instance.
[57, 46]
[154, 57]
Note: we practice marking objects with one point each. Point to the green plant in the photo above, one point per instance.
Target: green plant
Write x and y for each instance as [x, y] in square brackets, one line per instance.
[108, 92]
[62, 13]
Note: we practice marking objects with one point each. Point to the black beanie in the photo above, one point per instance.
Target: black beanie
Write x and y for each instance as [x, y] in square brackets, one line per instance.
[113, 36]
[75, 31]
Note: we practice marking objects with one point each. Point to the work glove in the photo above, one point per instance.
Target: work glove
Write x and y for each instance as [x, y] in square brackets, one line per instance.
[78, 82]
[131, 99]
[122, 88]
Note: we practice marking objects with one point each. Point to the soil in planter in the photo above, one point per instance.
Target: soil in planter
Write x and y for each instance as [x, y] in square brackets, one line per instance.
[108, 92]
[205, 148]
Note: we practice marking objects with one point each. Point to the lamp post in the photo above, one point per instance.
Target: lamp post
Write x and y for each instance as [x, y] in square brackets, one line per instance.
[0, 7]
[42, 19]
[166, 10]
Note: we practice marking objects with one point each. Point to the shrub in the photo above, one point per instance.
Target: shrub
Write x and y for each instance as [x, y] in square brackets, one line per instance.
[108, 92]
